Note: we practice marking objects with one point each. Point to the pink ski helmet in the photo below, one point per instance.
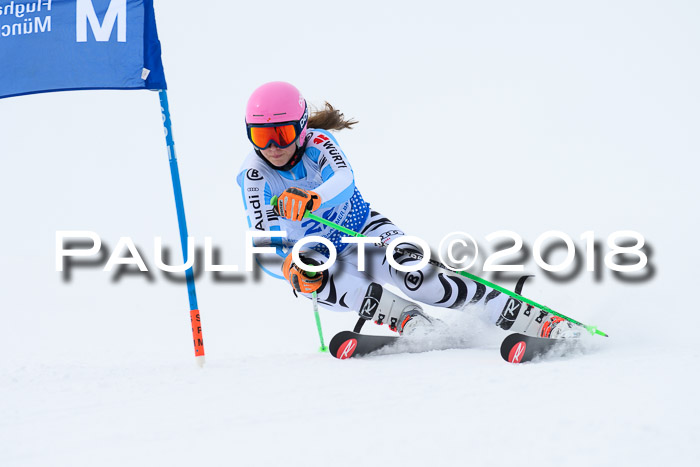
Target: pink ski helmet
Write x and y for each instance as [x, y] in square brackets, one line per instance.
[276, 103]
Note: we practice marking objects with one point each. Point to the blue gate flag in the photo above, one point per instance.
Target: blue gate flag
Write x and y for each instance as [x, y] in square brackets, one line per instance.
[62, 45]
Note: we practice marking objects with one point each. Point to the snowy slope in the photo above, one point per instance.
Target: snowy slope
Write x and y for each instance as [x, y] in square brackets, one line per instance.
[537, 117]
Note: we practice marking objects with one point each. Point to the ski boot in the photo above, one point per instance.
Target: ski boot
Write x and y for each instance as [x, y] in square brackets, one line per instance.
[384, 307]
[558, 328]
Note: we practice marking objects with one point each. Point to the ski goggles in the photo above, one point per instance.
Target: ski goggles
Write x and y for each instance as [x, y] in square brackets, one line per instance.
[281, 135]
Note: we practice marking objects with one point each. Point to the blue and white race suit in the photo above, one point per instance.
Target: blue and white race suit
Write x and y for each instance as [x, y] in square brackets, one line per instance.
[325, 169]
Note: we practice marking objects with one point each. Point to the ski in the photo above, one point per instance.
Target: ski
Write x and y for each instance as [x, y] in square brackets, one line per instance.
[516, 348]
[347, 344]
[519, 348]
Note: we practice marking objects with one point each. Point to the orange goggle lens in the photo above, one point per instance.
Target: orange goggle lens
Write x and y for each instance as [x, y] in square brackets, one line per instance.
[281, 136]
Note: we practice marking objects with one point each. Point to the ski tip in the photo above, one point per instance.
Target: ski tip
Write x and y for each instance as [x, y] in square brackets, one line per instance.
[517, 352]
[346, 349]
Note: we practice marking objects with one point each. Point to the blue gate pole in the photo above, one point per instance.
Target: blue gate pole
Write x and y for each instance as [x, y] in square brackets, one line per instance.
[182, 223]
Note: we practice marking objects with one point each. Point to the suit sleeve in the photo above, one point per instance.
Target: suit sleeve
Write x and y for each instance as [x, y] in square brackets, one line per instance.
[256, 194]
[338, 178]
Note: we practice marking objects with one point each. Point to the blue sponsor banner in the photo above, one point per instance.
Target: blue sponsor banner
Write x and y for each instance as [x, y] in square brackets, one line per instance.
[61, 45]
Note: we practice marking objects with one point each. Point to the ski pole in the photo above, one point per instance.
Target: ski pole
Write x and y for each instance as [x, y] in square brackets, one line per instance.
[314, 299]
[591, 329]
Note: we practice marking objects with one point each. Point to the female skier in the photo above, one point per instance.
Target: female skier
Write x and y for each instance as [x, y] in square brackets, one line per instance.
[297, 159]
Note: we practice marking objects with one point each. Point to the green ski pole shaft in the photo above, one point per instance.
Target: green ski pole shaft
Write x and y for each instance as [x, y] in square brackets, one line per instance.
[314, 299]
[591, 329]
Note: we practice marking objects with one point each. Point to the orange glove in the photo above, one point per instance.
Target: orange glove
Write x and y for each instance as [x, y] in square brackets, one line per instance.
[293, 203]
[301, 280]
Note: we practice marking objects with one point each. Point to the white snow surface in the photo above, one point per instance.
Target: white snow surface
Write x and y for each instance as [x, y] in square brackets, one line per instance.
[474, 116]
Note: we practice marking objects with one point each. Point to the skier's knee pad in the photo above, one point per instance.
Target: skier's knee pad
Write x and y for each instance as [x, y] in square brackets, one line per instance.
[383, 306]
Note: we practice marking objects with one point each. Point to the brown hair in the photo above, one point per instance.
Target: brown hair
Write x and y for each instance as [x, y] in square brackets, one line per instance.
[329, 118]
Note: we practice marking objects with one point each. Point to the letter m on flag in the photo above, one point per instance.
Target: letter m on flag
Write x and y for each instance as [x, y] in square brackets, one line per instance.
[85, 14]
